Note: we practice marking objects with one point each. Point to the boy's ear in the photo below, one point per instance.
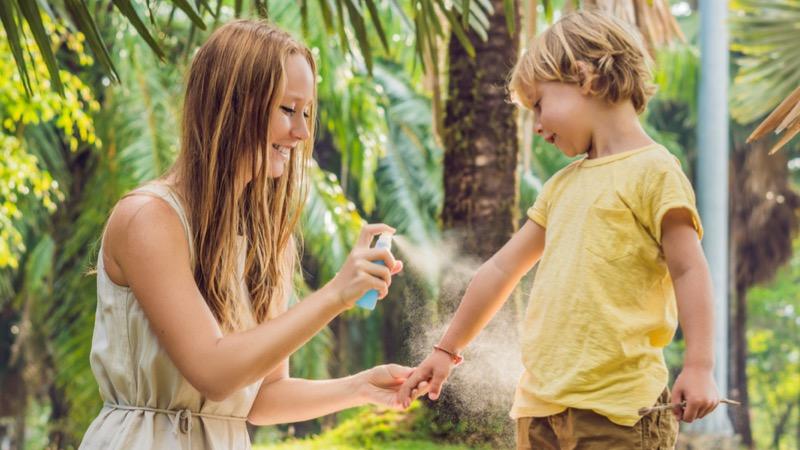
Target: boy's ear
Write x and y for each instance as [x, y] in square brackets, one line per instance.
[587, 76]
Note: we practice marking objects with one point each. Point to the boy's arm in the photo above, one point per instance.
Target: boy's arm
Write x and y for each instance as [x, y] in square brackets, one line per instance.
[694, 294]
[486, 293]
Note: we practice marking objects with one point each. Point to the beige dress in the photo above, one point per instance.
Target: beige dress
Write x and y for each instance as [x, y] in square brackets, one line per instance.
[148, 404]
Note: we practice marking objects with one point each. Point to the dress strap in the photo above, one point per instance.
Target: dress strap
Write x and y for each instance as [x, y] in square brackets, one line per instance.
[166, 193]
[181, 419]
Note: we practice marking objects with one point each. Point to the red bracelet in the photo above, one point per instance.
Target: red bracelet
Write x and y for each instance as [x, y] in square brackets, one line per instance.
[456, 358]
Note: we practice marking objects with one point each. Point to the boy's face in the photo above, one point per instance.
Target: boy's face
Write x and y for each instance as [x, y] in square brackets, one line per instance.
[562, 116]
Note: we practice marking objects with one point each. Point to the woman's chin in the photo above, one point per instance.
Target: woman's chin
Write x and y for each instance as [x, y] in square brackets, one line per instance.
[277, 169]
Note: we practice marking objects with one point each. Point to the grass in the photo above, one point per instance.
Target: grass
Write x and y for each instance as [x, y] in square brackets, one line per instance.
[322, 444]
[372, 428]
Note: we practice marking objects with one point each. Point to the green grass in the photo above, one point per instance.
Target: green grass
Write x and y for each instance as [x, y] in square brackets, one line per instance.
[322, 444]
[372, 428]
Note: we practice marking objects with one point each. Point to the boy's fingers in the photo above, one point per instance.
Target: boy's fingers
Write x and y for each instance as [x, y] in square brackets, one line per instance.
[436, 386]
[712, 405]
[690, 412]
[404, 394]
[421, 390]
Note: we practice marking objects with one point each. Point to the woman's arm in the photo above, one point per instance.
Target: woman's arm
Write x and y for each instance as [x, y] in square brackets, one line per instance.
[285, 400]
[145, 239]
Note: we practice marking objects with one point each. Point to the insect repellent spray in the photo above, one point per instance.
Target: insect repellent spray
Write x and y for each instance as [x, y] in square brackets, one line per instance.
[370, 298]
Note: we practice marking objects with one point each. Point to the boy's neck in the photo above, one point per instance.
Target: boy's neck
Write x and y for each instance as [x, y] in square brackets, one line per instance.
[616, 129]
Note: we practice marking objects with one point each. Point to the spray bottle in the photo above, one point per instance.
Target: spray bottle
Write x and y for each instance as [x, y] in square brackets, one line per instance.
[370, 298]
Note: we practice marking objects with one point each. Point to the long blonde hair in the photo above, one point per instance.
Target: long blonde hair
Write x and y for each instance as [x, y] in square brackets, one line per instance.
[234, 85]
[612, 50]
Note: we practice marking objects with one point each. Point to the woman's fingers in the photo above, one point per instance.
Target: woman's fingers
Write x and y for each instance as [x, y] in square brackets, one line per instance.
[398, 267]
[380, 254]
[370, 230]
[399, 372]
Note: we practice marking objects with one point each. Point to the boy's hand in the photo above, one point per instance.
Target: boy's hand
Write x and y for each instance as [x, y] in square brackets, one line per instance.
[697, 388]
[434, 370]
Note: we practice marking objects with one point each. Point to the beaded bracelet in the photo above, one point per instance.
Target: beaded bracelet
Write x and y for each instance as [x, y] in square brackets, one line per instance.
[456, 358]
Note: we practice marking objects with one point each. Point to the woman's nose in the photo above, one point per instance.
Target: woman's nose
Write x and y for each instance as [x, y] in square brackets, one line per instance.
[300, 129]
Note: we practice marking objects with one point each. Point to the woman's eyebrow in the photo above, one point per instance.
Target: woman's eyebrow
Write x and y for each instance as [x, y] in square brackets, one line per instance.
[297, 97]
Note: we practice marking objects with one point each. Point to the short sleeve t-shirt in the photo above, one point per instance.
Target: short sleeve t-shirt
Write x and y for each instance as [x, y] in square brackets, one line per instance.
[602, 306]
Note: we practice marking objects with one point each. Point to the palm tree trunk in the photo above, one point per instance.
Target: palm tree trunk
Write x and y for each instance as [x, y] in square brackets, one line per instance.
[481, 142]
[763, 222]
[481, 156]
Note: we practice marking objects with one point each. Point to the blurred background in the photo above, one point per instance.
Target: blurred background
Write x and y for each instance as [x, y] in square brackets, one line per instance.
[415, 131]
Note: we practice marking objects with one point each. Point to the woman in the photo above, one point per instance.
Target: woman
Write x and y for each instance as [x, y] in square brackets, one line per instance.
[192, 333]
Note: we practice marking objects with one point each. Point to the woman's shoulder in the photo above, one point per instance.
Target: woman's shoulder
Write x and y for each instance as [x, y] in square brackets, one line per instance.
[141, 208]
[142, 222]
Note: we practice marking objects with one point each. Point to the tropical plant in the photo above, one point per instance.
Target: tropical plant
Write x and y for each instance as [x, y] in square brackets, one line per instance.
[137, 122]
[765, 204]
[764, 36]
[346, 18]
[38, 132]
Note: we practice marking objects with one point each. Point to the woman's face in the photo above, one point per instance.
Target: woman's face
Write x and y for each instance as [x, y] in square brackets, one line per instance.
[289, 126]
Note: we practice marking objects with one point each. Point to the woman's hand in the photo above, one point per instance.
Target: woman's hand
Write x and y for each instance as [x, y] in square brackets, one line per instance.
[380, 384]
[360, 273]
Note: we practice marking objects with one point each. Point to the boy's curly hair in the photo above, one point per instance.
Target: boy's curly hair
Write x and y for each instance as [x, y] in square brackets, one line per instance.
[612, 52]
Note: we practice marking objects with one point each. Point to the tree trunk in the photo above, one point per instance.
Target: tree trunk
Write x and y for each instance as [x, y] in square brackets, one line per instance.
[780, 428]
[740, 417]
[481, 142]
[480, 166]
[763, 222]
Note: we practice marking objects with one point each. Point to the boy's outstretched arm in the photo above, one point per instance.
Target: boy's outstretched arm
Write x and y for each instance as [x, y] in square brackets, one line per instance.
[486, 293]
[694, 294]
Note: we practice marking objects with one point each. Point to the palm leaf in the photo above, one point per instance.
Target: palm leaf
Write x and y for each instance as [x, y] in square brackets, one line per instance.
[330, 223]
[786, 117]
[764, 35]
[12, 32]
[30, 11]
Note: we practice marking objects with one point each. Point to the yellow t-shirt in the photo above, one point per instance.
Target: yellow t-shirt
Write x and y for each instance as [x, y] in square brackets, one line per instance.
[602, 306]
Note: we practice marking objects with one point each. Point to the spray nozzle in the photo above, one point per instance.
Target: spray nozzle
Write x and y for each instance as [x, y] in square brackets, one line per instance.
[384, 241]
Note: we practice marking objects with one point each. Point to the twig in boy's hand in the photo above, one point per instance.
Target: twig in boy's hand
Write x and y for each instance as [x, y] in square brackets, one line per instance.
[663, 406]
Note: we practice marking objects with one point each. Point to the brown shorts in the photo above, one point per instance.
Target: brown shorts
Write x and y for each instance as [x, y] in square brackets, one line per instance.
[579, 429]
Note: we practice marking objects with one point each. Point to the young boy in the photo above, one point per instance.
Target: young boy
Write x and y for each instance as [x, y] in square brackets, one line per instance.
[618, 236]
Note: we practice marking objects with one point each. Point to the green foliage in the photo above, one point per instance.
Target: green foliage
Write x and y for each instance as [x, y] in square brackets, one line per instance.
[764, 35]
[677, 74]
[25, 185]
[372, 428]
[773, 364]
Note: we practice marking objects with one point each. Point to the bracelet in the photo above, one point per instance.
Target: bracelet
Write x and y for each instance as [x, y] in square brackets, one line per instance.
[456, 358]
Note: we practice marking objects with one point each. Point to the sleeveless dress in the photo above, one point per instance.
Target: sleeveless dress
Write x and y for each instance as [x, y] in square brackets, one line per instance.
[148, 404]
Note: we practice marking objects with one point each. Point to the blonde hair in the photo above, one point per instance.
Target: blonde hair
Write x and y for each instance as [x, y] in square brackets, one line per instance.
[616, 62]
[234, 85]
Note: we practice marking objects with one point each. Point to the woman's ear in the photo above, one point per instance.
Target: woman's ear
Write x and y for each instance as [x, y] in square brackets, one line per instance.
[587, 76]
